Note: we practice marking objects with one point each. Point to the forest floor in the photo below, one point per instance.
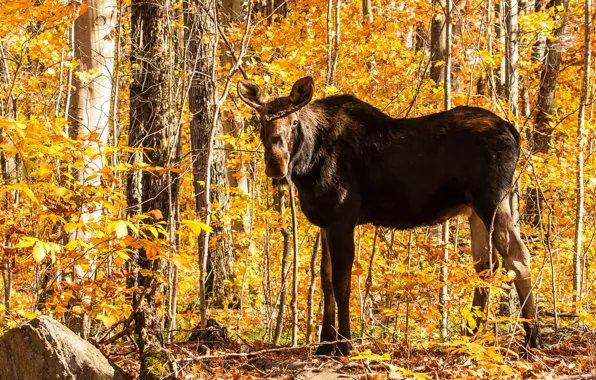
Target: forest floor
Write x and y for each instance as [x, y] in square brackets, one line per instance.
[565, 355]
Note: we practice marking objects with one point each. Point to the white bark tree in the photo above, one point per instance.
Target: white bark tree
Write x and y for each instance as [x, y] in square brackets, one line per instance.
[581, 142]
[89, 107]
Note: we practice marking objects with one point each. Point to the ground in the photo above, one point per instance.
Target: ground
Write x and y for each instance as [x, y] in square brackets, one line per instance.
[567, 354]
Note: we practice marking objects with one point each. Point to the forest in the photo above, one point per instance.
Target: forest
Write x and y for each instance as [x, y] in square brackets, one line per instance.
[135, 208]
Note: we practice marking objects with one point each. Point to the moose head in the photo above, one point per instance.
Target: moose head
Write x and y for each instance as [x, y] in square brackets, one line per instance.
[278, 118]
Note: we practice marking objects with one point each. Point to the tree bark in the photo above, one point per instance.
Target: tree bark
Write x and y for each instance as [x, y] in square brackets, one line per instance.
[501, 32]
[444, 295]
[89, 110]
[200, 30]
[420, 40]
[155, 129]
[512, 55]
[333, 42]
[367, 11]
[539, 139]
[438, 48]
[233, 125]
[512, 10]
[542, 134]
[581, 141]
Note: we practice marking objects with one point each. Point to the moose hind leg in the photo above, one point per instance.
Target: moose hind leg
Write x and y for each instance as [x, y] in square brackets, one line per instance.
[516, 257]
[328, 332]
[341, 248]
[482, 265]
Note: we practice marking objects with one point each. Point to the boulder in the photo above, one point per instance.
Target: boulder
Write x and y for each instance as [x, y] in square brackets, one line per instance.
[45, 349]
[323, 374]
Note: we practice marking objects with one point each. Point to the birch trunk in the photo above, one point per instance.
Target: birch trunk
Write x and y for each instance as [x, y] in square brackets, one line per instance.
[89, 111]
[581, 141]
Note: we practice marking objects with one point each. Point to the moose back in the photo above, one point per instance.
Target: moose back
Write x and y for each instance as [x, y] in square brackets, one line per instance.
[352, 164]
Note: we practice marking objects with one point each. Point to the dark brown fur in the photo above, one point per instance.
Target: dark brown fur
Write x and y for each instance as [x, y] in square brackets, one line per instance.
[352, 165]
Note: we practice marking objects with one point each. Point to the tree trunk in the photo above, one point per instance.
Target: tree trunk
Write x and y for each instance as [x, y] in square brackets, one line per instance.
[200, 31]
[457, 27]
[154, 128]
[542, 134]
[539, 139]
[512, 10]
[438, 48]
[420, 41]
[581, 141]
[512, 55]
[367, 11]
[444, 295]
[333, 42]
[501, 32]
[233, 125]
[89, 110]
[538, 50]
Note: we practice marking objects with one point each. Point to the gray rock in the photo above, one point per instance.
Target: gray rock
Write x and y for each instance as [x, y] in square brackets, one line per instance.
[322, 374]
[45, 349]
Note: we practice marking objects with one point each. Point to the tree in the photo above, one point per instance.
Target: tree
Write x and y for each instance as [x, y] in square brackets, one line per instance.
[155, 131]
[581, 141]
[542, 134]
[200, 34]
[90, 102]
[540, 137]
[367, 11]
[438, 48]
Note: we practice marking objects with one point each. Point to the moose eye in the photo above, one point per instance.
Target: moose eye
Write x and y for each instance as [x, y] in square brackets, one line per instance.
[296, 122]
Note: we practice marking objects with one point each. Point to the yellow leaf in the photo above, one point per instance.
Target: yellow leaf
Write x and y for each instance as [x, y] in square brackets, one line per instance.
[39, 251]
[60, 309]
[120, 227]
[30, 194]
[153, 230]
[196, 227]
[30, 315]
[108, 321]
[26, 242]
[182, 261]
[85, 267]
[71, 245]
[69, 227]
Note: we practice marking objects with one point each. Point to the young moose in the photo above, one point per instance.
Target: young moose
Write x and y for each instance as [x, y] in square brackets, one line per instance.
[352, 164]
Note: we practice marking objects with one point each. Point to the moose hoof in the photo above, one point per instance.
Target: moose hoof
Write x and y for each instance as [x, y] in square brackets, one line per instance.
[532, 340]
[325, 350]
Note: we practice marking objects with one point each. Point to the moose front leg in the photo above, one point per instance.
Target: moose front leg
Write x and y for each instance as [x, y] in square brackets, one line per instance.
[328, 332]
[340, 239]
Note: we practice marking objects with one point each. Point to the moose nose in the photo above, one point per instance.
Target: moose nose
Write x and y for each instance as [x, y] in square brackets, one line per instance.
[276, 166]
[274, 172]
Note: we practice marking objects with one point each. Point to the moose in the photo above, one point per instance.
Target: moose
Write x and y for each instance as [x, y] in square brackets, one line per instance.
[352, 164]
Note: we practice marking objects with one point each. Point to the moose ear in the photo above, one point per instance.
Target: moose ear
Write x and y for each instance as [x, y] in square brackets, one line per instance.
[251, 94]
[302, 92]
